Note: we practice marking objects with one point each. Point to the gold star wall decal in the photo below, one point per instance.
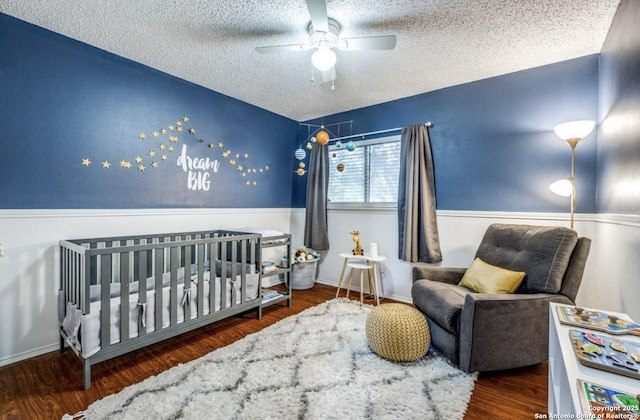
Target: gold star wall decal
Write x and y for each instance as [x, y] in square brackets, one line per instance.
[166, 144]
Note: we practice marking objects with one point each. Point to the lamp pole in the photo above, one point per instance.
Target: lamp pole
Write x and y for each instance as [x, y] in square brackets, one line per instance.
[573, 142]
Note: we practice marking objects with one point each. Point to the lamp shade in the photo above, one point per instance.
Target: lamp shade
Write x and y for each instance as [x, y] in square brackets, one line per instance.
[574, 129]
[562, 187]
[323, 59]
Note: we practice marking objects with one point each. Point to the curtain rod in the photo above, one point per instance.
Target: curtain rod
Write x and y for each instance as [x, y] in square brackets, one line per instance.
[371, 133]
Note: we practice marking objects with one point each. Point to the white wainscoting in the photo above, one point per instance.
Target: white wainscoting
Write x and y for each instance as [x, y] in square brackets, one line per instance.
[611, 277]
[29, 269]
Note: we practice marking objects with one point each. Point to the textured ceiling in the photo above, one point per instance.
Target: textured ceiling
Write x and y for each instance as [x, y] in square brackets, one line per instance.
[440, 43]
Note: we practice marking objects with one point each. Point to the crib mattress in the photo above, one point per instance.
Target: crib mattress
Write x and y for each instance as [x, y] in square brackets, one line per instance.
[83, 331]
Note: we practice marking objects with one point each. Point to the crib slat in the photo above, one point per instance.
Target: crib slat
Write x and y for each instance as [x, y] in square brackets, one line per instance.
[158, 289]
[105, 295]
[223, 276]
[124, 297]
[243, 274]
[200, 257]
[83, 280]
[173, 294]
[73, 290]
[69, 274]
[234, 271]
[187, 282]
[213, 252]
[142, 290]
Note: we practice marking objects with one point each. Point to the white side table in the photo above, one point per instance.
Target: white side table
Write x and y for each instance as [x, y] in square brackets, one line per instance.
[362, 262]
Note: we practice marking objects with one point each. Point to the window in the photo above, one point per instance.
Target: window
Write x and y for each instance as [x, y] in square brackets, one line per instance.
[369, 173]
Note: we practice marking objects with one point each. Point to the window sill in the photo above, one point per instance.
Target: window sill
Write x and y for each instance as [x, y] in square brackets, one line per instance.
[363, 207]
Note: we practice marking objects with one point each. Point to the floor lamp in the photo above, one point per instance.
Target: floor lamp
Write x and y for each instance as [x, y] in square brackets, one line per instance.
[572, 132]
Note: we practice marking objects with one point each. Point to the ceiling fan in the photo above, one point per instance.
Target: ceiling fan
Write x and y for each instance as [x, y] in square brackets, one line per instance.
[324, 36]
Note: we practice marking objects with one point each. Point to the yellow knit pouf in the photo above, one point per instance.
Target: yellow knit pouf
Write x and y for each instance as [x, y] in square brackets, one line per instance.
[398, 332]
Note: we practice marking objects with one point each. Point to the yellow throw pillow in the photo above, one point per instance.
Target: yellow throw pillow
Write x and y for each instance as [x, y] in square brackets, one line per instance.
[486, 278]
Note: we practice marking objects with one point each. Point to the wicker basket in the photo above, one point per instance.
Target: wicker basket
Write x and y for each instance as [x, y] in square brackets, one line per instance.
[398, 332]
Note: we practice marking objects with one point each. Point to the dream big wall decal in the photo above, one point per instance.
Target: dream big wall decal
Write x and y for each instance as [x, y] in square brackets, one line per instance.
[169, 145]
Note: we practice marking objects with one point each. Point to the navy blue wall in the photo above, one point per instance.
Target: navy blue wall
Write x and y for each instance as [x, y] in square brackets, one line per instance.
[62, 101]
[493, 143]
[619, 136]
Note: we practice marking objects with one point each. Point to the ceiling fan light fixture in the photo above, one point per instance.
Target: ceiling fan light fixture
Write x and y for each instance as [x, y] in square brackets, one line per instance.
[323, 59]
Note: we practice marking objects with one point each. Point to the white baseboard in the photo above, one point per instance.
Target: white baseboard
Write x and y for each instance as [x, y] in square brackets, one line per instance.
[356, 289]
[5, 361]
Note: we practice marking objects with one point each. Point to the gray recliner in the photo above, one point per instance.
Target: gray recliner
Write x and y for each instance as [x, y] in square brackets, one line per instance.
[491, 331]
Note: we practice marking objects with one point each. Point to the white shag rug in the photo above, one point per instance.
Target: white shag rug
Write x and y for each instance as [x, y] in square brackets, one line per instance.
[313, 365]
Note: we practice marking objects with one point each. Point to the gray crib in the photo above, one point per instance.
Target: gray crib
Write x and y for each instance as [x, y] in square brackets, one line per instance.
[123, 293]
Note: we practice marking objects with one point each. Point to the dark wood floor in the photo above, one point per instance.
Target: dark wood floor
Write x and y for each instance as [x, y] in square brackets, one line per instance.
[48, 386]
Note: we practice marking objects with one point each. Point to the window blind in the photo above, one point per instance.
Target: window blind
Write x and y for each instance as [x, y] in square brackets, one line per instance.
[370, 172]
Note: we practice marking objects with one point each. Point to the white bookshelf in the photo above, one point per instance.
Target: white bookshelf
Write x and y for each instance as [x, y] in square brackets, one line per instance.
[565, 369]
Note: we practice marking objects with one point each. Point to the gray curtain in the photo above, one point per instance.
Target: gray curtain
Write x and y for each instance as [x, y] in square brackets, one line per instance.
[418, 239]
[316, 235]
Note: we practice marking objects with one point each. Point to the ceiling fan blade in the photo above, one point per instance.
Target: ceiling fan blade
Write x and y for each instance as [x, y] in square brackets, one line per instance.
[319, 17]
[282, 48]
[384, 42]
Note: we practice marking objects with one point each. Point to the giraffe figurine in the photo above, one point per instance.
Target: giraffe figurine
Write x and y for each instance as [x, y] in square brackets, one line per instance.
[356, 238]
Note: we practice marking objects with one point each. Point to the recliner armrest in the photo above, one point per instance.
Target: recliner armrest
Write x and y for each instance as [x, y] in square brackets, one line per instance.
[449, 275]
[500, 331]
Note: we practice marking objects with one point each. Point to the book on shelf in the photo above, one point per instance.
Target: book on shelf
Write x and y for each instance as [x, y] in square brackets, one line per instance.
[270, 294]
[269, 267]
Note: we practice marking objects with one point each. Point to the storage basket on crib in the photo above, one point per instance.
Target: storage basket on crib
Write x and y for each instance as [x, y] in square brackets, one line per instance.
[303, 274]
